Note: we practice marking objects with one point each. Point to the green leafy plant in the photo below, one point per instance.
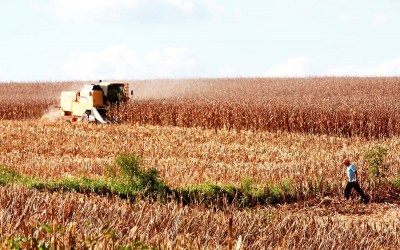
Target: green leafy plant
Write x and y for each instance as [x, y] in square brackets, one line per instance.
[130, 165]
[132, 173]
[8, 176]
[375, 158]
[247, 184]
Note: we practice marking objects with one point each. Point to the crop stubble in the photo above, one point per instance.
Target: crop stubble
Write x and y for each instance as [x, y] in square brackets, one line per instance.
[229, 129]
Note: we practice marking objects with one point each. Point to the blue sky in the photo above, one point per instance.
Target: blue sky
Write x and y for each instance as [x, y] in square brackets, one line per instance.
[144, 39]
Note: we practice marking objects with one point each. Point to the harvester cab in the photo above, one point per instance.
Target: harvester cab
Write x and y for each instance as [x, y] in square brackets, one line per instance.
[115, 93]
[91, 102]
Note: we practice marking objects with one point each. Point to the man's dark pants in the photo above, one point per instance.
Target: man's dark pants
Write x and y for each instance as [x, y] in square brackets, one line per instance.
[356, 186]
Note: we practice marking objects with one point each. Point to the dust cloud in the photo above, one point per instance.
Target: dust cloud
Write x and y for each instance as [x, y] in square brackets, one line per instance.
[165, 89]
[52, 114]
[142, 90]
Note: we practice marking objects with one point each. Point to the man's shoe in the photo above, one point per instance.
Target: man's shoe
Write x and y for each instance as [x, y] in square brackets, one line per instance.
[366, 200]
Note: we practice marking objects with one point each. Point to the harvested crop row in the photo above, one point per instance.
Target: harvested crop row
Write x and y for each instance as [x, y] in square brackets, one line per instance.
[92, 220]
[187, 157]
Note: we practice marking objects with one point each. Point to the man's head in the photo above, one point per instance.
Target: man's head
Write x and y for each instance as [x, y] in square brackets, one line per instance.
[346, 162]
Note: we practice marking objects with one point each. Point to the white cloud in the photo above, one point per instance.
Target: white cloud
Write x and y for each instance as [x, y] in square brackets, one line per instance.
[150, 10]
[346, 70]
[349, 18]
[374, 18]
[389, 68]
[183, 5]
[379, 18]
[227, 71]
[237, 13]
[87, 10]
[300, 67]
[295, 66]
[122, 62]
[2, 76]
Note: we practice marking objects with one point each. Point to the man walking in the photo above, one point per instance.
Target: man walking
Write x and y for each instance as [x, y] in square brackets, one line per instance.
[352, 174]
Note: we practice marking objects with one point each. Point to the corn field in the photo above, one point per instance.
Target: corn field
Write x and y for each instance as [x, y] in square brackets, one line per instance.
[366, 107]
[240, 132]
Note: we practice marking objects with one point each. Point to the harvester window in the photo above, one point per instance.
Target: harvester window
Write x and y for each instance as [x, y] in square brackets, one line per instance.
[97, 87]
[115, 93]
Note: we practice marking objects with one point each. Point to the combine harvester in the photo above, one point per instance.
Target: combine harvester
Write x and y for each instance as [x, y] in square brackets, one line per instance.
[91, 102]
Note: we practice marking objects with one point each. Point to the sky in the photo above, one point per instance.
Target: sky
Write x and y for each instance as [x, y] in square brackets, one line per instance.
[63, 40]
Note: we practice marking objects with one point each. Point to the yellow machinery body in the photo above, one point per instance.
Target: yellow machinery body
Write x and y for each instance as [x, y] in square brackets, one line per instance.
[76, 103]
[91, 101]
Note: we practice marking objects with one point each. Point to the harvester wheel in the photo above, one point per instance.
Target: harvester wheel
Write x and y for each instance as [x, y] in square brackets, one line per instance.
[85, 117]
[112, 120]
